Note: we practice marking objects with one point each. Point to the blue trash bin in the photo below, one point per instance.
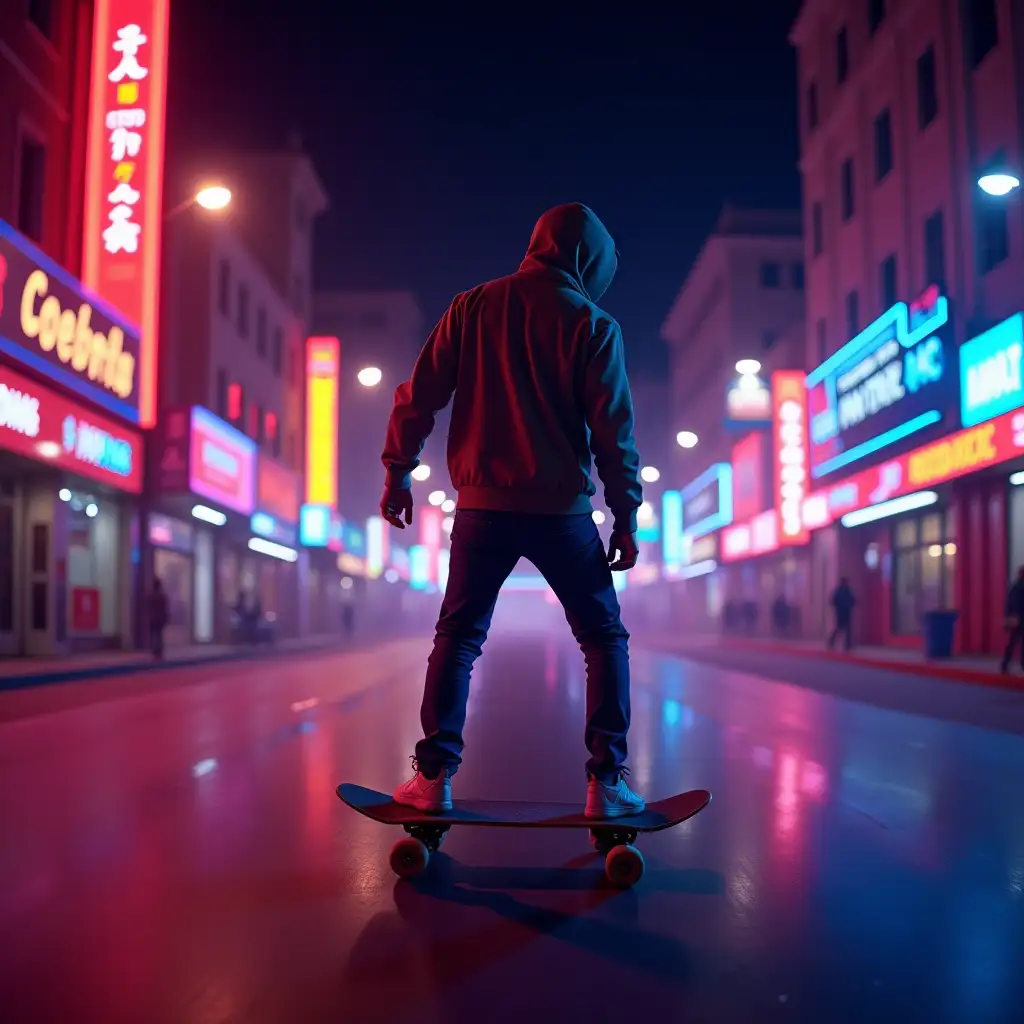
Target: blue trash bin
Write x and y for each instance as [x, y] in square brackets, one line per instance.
[938, 633]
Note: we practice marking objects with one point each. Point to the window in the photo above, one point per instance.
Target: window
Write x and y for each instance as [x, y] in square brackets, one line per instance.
[934, 251]
[817, 229]
[847, 189]
[887, 281]
[40, 13]
[221, 398]
[927, 89]
[822, 339]
[276, 351]
[982, 29]
[883, 145]
[876, 15]
[992, 239]
[261, 332]
[924, 569]
[224, 288]
[842, 56]
[797, 276]
[31, 188]
[768, 339]
[812, 106]
[852, 314]
[242, 322]
[770, 277]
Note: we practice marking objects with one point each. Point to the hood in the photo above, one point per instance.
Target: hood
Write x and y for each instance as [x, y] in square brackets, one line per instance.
[570, 238]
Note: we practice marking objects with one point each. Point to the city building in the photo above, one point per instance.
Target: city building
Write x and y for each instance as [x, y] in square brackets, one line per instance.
[76, 366]
[377, 330]
[228, 459]
[743, 300]
[906, 106]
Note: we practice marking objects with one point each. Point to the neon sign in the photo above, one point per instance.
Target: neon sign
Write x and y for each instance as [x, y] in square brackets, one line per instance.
[222, 462]
[707, 501]
[990, 372]
[322, 369]
[892, 367]
[760, 536]
[789, 434]
[748, 476]
[124, 171]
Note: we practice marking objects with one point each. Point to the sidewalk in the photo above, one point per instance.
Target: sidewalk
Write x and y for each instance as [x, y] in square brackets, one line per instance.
[984, 670]
[16, 673]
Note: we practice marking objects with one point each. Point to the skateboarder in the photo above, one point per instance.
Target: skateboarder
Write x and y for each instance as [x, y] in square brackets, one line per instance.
[539, 379]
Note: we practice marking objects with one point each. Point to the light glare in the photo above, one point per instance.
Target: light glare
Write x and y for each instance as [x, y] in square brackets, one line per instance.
[421, 473]
[650, 475]
[436, 497]
[598, 516]
[748, 366]
[686, 439]
[213, 197]
[998, 185]
[370, 376]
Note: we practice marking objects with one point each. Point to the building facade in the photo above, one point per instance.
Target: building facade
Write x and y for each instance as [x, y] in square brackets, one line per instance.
[73, 362]
[905, 105]
[228, 457]
[742, 300]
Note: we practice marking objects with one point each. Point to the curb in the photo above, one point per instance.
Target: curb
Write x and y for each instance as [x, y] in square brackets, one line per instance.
[149, 664]
[930, 669]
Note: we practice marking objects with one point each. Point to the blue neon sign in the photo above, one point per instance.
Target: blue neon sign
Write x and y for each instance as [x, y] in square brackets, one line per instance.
[707, 501]
[887, 384]
[990, 372]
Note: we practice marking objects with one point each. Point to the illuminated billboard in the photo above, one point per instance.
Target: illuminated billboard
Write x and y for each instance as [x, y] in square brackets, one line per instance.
[990, 372]
[749, 461]
[323, 357]
[789, 454]
[759, 536]
[124, 172]
[895, 379]
[707, 501]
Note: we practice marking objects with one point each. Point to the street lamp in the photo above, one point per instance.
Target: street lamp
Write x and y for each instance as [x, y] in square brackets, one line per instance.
[748, 367]
[436, 498]
[686, 439]
[421, 472]
[650, 475]
[213, 197]
[369, 376]
[998, 183]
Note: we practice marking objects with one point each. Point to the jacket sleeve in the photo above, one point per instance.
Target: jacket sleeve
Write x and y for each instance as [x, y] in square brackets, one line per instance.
[420, 399]
[609, 410]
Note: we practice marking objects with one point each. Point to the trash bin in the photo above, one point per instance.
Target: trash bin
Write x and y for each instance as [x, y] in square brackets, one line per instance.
[938, 633]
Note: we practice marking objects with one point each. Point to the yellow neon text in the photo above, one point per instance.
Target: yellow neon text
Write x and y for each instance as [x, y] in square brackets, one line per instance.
[954, 456]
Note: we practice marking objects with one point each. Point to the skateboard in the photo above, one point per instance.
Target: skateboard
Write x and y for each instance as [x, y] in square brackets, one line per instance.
[614, 837]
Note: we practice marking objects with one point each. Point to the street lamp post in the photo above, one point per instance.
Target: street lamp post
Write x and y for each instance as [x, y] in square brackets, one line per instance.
[998, 183]
[210, 197]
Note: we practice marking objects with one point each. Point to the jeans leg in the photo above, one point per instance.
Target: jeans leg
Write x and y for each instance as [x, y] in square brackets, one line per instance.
[483, 553]
[570, 555]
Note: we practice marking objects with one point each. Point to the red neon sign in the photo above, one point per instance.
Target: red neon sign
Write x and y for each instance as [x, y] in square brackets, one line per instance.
[953, 456]
[748, 462]
[124, 171]
[760, 536]
[790, 453]
[44, 425]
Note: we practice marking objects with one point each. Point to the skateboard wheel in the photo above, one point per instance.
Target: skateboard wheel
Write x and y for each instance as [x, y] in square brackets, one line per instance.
[624, 866]
[409, 857]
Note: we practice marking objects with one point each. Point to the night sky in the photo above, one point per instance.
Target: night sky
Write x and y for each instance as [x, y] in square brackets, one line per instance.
[441, 140]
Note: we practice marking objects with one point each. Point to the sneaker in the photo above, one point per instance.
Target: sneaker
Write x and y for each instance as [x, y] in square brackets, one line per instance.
[432, 796]
[612, 800]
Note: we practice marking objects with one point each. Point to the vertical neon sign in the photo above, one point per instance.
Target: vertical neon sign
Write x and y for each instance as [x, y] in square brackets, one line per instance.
[323, 357]
[124, 172]
[430, 539]
[376, 546]
[790, 453]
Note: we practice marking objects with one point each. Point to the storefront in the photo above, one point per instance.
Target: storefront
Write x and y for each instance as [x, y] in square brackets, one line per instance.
[938, 526]
[210, 545]
[71, 463]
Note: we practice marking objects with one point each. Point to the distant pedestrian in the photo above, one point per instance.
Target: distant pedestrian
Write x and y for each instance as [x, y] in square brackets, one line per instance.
[843, 602]
[1014, 620]
[159, 614]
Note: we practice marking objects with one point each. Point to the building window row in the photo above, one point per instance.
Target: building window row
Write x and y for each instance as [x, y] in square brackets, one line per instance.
[268, 343]
[771, 275]
[262, 425]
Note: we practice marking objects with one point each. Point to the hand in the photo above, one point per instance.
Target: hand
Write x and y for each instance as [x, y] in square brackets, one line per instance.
[396, 503]
[622, 551]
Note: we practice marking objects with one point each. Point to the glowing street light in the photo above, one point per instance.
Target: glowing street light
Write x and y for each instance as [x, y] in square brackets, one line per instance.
[213, 197]
[748, 367]
[448, 506]
[598, 516]
[369, 376]
[650, 475]
[421, 473]
[686, 439]
[436, 498]
[998, 184]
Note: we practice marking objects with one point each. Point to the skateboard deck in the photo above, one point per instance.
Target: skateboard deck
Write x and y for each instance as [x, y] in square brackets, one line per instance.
[612, 836]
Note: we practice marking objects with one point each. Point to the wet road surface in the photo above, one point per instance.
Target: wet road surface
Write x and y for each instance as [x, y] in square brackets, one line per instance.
[171, 850]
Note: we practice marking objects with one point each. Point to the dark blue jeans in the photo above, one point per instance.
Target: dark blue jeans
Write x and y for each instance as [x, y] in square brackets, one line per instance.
[568, 552]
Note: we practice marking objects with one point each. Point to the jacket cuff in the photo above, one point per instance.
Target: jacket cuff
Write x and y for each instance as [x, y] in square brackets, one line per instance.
[398, 481]
[625, 523]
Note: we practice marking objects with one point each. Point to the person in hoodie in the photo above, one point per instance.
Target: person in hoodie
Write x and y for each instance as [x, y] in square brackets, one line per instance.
[539, 379]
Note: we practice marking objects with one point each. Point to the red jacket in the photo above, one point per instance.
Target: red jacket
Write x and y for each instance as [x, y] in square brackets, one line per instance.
[539, 379]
